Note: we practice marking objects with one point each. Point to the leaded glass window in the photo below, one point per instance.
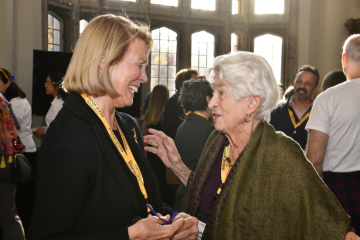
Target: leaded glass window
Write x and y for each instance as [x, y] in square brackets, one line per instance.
[54, 33]
[270, 47]
[163, 58]
[202, 51]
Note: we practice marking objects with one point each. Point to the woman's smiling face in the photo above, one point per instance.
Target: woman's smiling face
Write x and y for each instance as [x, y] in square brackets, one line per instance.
[228, 112]
[129, 73]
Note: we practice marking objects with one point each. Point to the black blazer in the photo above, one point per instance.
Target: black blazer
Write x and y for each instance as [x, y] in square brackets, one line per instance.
[85, 189]
[173, 116]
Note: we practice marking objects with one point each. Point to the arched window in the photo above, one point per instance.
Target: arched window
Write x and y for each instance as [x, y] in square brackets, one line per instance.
[269, 6]
[202, 51]
[54, 33]
[83, 23]
[235, 6]
[163, 58]
[234, 42]
[209, 5]
[270, 47]
[173, 3]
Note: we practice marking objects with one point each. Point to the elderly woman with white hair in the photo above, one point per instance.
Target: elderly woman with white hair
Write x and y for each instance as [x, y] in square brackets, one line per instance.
[251, 182]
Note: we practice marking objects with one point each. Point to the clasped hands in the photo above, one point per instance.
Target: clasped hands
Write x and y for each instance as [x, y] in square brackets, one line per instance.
[183, 226]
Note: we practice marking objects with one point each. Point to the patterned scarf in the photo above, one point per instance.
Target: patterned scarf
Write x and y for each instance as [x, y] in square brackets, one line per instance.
[7, 132]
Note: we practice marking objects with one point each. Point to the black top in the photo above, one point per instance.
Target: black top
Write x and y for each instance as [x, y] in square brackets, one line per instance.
[85, 189]
[281, 121]
[190, 140]
[173, 116]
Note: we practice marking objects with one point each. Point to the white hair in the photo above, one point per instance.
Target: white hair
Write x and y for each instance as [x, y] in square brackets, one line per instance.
[352, 47]
[248, 74]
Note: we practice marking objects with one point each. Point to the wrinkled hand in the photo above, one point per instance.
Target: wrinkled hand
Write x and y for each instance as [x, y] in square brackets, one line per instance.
[40, 132]
[190, 228]
[151, 229]
[351, 236]
[166, 151]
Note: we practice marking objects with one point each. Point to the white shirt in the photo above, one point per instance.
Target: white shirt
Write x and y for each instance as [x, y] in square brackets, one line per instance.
[22, 111]
[336, 112]
[56, 105]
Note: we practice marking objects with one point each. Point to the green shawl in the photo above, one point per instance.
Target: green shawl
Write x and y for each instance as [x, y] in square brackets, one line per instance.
[275, 193]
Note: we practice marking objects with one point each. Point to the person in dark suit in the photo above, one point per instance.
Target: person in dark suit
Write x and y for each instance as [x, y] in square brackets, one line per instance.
[193, 133]
[174, 114]
[94, 179]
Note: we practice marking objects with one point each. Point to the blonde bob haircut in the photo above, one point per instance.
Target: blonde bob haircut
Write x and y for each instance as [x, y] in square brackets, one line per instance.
[106, 40]
[248, 74]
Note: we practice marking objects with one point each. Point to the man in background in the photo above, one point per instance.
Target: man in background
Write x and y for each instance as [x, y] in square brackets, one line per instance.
[292, 115]
[334, 134]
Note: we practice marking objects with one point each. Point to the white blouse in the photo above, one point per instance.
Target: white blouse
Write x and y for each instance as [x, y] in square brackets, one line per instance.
[22, 111]
[56, 105]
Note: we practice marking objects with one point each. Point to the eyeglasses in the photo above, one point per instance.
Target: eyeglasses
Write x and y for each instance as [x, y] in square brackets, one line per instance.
[4, 74]
[47, 83]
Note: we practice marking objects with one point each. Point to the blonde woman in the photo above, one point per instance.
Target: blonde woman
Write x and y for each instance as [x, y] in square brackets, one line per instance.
[94, 179]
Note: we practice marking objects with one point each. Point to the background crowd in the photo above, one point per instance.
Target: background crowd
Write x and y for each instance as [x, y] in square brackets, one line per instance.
[225, 144]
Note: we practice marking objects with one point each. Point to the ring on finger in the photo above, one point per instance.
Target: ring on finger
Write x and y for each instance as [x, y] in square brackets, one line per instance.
[156, 145]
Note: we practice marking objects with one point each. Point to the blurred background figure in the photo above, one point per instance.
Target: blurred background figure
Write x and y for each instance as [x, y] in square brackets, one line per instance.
[153, 119]
[173, 112]
[143, 109]
[288, 93]
[53, 85]
[25, 192]
[10, 223]
[333, 78]
[173, 116]
[193, 133]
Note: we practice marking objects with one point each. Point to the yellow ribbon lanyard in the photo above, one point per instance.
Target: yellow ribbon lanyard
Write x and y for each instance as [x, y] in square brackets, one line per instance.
[225, 165]
[125, 153]
[195, 113]
[296, 125]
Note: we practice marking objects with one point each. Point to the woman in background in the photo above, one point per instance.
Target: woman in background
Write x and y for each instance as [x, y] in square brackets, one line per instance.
[53, 86]
[25, 192]
[193, 133]
[10, 222]
[333, 78]
[153, 119]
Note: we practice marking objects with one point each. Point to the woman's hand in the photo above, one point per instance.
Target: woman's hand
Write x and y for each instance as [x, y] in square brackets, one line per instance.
[150, 228]
[168, 153]
[190, 228]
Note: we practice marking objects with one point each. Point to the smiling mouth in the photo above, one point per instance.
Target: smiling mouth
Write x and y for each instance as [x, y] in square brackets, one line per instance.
[133, 89]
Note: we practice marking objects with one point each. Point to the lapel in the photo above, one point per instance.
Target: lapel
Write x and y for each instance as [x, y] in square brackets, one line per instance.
[77, 106]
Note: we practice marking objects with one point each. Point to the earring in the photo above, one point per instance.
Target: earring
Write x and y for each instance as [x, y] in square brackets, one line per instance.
[246, 118]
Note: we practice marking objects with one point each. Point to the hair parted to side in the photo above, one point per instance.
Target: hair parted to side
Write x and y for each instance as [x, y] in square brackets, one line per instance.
[105, 39]
[248, 74]
[352, 47]
[311, 69]
[193, 95]
[158, 98]
[182, 76]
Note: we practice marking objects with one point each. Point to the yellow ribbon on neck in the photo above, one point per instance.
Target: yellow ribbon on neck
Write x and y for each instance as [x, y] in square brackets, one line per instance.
[296, 125]
[197, 113]
[225, 165]
[126, 151]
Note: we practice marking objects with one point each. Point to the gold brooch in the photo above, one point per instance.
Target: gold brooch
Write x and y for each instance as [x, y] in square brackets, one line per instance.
[135, 135]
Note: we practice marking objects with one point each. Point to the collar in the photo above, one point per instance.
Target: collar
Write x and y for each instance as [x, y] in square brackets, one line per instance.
[291, 102]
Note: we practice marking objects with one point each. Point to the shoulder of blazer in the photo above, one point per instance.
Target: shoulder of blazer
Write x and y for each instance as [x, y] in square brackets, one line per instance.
[131, 124]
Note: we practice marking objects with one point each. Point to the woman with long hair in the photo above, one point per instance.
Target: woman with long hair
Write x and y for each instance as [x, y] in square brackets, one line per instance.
[153, 119]
[25, 192]
[53, 85]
